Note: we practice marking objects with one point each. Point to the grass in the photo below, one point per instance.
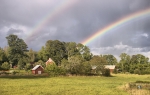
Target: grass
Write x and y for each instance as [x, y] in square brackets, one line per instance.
[73, 85]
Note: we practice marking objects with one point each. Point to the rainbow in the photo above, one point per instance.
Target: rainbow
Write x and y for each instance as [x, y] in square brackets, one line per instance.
[63, 5]
[115, 25]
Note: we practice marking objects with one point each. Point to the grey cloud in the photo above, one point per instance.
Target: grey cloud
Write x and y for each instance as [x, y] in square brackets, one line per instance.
[121, 48]
[14, 31]
[25, 12]
[139, 4]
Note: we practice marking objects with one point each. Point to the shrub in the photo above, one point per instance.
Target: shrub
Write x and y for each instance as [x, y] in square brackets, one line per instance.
[12, 72]
[137, 71]
[28, 67]
[115, 71]
[54, 70]
[106, 72]
[5, 66]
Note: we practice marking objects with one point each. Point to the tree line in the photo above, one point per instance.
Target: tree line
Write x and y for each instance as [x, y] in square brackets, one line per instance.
[69, 58]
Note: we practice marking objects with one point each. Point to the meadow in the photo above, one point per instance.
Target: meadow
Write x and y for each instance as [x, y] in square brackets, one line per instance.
[71, 85]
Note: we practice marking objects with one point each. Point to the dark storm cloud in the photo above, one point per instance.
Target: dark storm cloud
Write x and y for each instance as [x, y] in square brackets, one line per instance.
[77, 23]
[24, 12]
[95, 15]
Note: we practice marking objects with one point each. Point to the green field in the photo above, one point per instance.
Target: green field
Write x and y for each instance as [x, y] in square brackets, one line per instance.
[73, 85]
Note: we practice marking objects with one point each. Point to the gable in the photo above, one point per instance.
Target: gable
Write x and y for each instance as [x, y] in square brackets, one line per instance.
[36, 67]
[49, 61]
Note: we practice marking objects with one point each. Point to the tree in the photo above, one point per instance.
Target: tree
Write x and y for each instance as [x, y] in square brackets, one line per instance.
[40, 62]
[71, 49]
[65, 64]
[17, 49]
[124, 63]
[111, 60]
[55, 50]
[99, 62]
[84, 51]
[5, 66]
[28, 67]
[139, 64]
[43, 54]
[3, 57]
[75, 64]
[74, 49]
[20, 64]
[86, 68]
[54, 70]
[142, 59]
[106, 72]
[31, 55]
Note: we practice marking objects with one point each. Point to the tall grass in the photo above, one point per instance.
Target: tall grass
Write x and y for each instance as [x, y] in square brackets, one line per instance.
[74, 85]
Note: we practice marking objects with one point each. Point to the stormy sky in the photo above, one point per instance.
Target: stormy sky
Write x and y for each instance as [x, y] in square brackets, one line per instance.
[75, 21]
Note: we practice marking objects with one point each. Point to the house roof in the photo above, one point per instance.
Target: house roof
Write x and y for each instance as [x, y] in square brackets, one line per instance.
[110, 66]
[49, 61]
[37, 66]
[94, 67]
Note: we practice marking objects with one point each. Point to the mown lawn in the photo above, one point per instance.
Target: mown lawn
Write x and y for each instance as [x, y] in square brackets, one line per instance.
[74, 85]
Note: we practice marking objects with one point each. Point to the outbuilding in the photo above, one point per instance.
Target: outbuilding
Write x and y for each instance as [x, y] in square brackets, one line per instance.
[111, 67]
[38, 69]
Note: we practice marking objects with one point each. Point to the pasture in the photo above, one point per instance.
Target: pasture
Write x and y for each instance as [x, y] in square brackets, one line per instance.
[71, 85]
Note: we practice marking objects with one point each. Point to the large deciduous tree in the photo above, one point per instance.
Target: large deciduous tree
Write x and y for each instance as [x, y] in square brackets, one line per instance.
[71, 49]
[17, 49]
[98, 62]
[75, 63]
[43, 54]
[55, 50]
[139, 64]
[111, 60]
[31, 55]
[84, 51]
[124, 62]
[3, 57]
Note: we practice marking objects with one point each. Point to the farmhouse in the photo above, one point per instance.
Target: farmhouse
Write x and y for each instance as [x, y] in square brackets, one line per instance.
[49, 61]
[38, 69]
[111, 67]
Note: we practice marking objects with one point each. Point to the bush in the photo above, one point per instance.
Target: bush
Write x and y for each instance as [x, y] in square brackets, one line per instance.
[106, 72]
[12, 72]
[5, 66]
[54, 70]
[115, 71]
[137, 71]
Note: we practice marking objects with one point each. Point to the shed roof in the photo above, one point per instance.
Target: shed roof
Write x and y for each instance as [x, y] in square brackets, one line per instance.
[110, 66]
[37, 66]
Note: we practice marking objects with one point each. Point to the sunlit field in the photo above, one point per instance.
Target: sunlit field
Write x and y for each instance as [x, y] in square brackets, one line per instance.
[72, 85]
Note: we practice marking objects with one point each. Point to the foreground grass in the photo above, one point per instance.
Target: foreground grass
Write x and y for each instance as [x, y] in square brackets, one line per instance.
[74, 85]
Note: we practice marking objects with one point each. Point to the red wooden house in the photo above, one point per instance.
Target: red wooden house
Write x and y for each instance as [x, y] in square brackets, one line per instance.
[111, 67]
[38, 69]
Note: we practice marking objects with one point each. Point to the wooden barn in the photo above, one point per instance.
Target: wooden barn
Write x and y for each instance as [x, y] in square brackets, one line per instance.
[38, 69]
[111, 67]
